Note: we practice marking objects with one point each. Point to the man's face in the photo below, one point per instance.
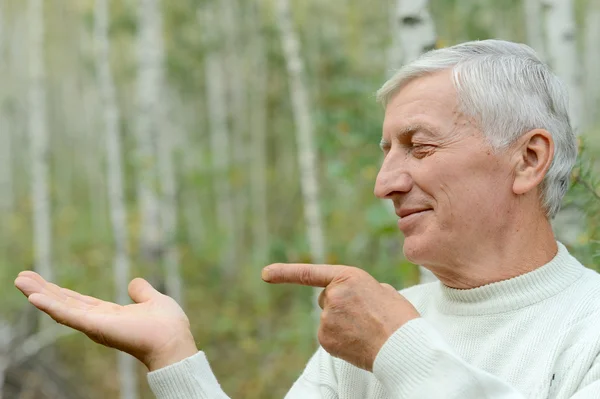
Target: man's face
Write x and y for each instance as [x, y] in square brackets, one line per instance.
[452, 192]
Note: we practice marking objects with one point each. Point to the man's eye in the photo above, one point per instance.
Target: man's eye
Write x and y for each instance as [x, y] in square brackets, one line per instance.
[420, 150]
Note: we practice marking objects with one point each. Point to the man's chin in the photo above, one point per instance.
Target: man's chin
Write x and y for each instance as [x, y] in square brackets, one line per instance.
[416, 249]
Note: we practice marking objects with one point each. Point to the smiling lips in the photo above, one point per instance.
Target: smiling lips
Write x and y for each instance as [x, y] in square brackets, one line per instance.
[404, 212]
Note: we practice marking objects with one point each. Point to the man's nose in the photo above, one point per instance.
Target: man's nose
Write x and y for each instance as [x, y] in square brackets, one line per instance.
[392, 178]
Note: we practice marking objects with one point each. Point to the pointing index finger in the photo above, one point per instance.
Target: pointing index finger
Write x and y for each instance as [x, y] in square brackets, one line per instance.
[301, 273]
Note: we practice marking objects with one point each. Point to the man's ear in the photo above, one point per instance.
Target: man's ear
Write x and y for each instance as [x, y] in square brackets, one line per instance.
[533, 156]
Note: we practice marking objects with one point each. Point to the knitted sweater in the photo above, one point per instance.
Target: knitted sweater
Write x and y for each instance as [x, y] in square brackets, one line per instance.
[533, 336]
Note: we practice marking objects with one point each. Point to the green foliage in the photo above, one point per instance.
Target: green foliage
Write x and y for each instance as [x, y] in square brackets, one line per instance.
[584, 194]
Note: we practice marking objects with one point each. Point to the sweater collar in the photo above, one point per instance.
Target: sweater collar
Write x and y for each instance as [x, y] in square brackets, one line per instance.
[515, 293]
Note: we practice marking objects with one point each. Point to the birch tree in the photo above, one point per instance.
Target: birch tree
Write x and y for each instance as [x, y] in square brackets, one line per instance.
[592, 60]
[414, 31]
[6, 174]
[6, 182]
[414, 34]
[236, 86]
[534, 26]
[114, 171]
[168, 180]
[563, 58]
[562, 54]
[304, 132]
[258, 126]
[146, 125]
[220, 143]
[39, 141]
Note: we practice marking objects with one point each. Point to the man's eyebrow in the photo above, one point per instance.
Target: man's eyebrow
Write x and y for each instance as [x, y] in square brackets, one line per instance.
[406, 131]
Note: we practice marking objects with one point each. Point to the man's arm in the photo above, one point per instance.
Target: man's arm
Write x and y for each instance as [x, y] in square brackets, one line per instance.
[192, 378]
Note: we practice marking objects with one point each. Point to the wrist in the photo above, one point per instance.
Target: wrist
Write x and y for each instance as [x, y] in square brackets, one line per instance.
[176, 351]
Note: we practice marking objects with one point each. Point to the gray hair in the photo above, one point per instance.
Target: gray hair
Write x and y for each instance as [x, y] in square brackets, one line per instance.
[509, 91]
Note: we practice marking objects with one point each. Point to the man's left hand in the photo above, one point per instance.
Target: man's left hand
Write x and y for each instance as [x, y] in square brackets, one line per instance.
[359, 314]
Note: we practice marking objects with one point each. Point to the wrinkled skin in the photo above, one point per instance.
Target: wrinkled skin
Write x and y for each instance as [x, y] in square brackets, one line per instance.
[359, 314]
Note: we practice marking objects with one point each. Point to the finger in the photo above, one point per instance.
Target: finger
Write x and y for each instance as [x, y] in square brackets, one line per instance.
[89, 300]
[28, 285]
[301, 273]
[30, 282]
[30, 273]
[62, 313]
[141, 291]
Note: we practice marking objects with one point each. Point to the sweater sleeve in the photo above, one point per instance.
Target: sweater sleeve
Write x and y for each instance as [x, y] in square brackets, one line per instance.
[416, 362]
[192, 378]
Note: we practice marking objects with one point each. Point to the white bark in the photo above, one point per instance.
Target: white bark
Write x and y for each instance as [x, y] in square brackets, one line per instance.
[414, 34]
[414, 29]
[168, 179]
[563, 57]
[258, 126]
[220, 146]
[126, 363]
[39, 142]
[562, 53]
[234, 65]
[304, 132]
[147, 102]
[535, 28]
[592, 60]
[191, 163]
[7, 200]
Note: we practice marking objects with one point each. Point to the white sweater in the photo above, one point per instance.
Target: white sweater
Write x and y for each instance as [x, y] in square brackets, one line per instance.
[533, 336]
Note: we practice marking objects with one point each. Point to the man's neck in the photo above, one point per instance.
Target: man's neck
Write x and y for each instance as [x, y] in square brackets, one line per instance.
[518, 251]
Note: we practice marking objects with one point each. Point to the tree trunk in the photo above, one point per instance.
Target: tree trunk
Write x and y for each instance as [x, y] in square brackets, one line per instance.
[118, 215]
[39, 142]
[233, 64]
[147, 104]
[168, 179]
[414, 29]
[563, 57]
[304, 136]
[592, 60]
[535, 28]
[258, 126]
[414, 34]
[7, 200]
[562, 53]
[220, 147]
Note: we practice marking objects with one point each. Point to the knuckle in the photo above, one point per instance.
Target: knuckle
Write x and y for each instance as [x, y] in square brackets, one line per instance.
[304, 275]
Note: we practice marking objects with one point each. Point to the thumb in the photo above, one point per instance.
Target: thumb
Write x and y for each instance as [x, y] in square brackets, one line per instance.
[141, 291]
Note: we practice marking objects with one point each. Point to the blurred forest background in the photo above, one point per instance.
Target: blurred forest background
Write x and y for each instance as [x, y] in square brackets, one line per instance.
[192, 142]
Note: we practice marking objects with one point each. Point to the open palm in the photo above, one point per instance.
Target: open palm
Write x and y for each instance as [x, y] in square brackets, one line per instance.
[154, 329]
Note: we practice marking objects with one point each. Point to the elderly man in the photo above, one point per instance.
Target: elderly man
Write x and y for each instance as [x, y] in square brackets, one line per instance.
[477, 154]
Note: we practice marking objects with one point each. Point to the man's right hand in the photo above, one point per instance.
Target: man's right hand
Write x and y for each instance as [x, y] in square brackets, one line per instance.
[154, 329]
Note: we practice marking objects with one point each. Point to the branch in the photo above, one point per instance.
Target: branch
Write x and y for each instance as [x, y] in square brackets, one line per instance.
[39, 341]
[588, 187]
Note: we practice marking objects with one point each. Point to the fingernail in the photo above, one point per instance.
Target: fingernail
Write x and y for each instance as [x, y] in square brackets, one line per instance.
[265, 274]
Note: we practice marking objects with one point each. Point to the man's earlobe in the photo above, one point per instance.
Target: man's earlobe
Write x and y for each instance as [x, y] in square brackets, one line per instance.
[534, 157]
